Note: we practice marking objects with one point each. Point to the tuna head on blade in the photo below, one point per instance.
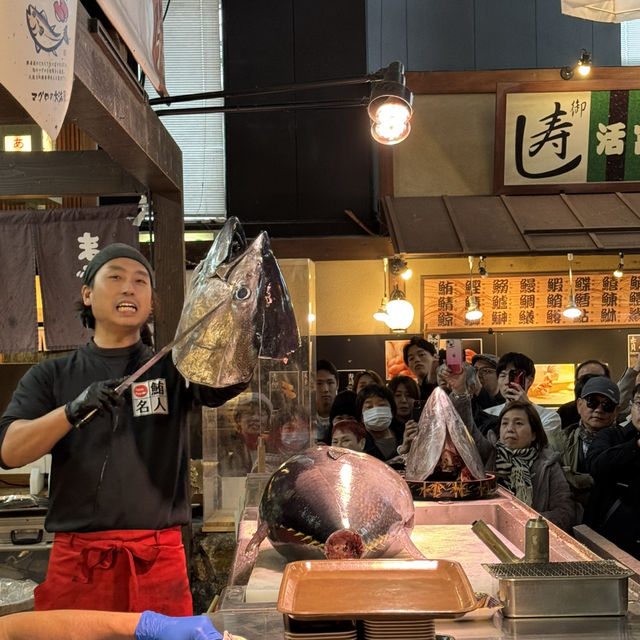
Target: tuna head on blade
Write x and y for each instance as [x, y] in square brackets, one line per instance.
[329, 502]
[241, 286]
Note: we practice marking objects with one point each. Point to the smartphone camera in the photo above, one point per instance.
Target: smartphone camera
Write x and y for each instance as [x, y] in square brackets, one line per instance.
[518, 376]
[416, 412]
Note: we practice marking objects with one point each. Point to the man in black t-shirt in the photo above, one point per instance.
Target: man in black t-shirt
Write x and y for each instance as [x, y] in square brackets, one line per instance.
[119, 484]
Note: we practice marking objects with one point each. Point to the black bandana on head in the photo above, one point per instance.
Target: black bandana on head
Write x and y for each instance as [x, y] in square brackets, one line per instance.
[111, 252]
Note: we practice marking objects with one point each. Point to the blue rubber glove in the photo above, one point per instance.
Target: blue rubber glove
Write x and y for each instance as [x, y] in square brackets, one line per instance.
[155, 626]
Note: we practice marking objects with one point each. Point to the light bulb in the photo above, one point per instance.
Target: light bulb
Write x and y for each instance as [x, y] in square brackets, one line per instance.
[407, 274]
[380, 315]
[584, 69]
[572, 312]
[399, 315]
[473, 312]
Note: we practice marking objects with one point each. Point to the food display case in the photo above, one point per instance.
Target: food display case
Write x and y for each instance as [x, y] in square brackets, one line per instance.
[279, 392]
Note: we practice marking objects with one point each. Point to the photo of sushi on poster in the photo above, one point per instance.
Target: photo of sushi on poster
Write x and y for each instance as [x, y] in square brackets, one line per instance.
[284, 388]
[553, 384]
[633, 346]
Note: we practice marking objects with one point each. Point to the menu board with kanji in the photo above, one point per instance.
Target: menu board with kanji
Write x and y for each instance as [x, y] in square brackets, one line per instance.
[531, 301]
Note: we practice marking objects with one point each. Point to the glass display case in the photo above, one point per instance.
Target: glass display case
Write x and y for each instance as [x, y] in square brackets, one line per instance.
[251, 435]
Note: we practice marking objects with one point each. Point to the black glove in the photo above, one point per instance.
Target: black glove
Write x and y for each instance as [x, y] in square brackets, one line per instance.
[97, 397]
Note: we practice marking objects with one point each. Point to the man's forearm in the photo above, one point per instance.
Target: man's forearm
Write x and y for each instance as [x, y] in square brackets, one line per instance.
[68, 625]
[28, 440]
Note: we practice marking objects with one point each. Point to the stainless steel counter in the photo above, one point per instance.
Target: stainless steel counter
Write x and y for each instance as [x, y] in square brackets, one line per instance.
[248, 605]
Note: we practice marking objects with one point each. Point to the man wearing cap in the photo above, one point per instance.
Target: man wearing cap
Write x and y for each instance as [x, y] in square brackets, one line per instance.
[485, 365]
[598, 407]
[119, 490]
[614, 463]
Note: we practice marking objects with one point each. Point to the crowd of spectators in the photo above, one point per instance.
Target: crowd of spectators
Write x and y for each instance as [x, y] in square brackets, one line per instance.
[577, 464]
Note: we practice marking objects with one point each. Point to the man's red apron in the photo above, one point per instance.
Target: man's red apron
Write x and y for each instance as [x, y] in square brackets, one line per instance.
[117, 571]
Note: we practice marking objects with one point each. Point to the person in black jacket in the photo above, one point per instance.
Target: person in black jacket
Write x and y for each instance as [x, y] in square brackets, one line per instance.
[614, 462]
[119, 486]
[422, 359]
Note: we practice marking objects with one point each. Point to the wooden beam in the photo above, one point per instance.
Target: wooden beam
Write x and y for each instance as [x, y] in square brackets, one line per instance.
[317, 249]
[115, 114]
[11, 111]
[437, 82]
[168, 262]
[62, 173]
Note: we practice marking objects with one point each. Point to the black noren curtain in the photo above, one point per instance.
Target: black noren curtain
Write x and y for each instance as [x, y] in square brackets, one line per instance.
[59, 243]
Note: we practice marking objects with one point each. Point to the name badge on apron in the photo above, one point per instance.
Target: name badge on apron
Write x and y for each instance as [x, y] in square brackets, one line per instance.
[150, 397]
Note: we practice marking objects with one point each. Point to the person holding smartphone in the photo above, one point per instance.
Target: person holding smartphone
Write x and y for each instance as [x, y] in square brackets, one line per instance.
[516, 373]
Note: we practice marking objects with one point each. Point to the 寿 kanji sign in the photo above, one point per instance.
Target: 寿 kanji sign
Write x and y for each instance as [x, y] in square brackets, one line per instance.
[531, 301]
[568, 137]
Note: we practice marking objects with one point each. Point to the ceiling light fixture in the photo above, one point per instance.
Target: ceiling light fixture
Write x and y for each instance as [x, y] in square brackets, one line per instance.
[389, 103]
[619, 272]
[398, 267]
[399, 311]
[572, 312]
[390, 107]
[583, 67]
[482, 267]
[473, 308]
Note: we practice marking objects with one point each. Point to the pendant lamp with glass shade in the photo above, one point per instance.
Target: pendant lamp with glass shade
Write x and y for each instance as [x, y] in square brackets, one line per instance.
[399, 311]
[571, 311]
[473, 308]
[381, 314]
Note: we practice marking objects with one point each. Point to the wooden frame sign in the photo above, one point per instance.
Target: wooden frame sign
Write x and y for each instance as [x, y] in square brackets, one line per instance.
[567, 136]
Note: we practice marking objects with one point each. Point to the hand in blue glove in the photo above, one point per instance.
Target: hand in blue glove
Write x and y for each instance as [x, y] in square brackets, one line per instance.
[155, 626]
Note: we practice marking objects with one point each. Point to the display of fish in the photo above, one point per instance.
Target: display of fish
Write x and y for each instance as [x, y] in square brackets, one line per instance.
[250, 312]
[438, 420]
[329, 502]
[44, 35]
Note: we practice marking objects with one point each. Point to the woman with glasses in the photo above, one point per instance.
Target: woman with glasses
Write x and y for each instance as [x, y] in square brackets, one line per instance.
[598, 407]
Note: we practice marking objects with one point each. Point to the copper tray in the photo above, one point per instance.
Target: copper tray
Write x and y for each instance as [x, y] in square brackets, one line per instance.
[375, 589]
[453, 489]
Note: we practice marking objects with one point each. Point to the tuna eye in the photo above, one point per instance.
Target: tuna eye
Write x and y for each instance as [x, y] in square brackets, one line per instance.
[242, 293]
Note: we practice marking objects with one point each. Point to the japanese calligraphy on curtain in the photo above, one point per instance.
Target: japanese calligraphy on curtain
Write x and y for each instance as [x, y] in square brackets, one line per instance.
[571, 137]
[523, 302]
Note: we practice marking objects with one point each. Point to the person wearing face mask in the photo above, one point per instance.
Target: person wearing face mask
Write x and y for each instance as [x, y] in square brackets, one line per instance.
[377, 408]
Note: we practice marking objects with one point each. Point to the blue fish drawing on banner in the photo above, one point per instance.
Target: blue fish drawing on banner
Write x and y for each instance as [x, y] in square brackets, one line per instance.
[44, 35]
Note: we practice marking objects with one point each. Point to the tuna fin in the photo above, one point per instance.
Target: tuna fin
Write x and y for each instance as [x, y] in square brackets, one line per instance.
[253, 546]
[335, 453]
[411, 548]
[401, 535]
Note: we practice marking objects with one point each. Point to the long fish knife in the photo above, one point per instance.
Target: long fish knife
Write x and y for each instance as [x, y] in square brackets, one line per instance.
[129, 380]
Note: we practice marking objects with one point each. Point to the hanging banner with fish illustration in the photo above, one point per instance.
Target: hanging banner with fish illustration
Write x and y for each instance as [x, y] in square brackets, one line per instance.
[140, 25]
[37, 45]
